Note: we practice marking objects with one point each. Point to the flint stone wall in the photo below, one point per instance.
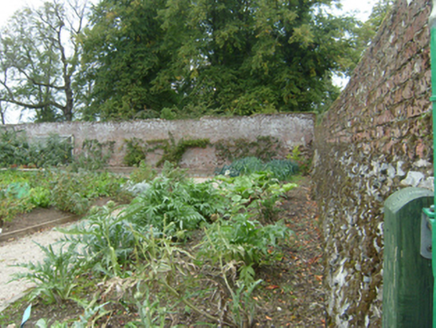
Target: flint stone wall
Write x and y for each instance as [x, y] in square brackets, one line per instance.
[376, 139]
[290, 129]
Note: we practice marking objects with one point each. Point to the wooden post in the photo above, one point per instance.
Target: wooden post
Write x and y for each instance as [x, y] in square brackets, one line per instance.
[407, 276]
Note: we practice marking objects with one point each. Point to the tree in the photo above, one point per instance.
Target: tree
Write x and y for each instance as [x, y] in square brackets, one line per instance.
[123, 55]
[235, 57]
[39, 56]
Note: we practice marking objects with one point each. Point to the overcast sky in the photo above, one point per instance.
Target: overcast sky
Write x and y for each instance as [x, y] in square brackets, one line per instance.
[8, 7]
[361, 8]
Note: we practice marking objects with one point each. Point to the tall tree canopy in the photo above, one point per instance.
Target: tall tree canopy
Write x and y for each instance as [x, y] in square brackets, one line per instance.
[39, 57]
[148, 58]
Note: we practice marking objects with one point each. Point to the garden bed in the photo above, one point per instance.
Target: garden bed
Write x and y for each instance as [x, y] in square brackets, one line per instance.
[290, 295]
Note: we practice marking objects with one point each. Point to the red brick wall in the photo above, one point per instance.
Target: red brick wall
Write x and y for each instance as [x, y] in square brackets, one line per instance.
[376, 138]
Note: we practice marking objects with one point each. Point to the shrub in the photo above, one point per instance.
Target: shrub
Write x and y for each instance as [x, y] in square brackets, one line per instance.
[280, 169]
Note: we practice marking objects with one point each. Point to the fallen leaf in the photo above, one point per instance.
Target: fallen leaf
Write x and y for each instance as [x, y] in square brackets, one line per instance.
[271, 287]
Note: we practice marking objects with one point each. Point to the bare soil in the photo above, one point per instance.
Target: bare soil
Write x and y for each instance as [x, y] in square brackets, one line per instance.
[290, 296]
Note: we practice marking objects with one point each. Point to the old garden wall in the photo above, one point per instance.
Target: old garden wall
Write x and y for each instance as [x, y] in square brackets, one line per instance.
[376, 139]
[289, 129]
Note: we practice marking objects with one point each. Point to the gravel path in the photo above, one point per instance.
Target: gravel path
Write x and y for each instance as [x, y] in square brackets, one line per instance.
[18, 251]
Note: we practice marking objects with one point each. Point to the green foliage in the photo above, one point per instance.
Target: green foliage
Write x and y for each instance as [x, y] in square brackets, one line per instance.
[73, 192]
[54, 152]
[243, 305]
[237, 58]
[110, 240]
[151, 314]
[54, 277]
[176, 205]
[92, 313]
[367, 30]
[39, 57]
[14, 199]
[138, 247]
[40, 197]
[136, 149]
[135, 152]
[11, 206]
[304, 163]
[173, 152]
[280, 169]
[16, 150]
[68, 193]
[22, 191]
[257, 191]
[243, 239]
[131, 71]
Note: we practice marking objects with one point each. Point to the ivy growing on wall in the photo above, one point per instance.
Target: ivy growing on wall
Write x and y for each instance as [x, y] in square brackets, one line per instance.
[137, 149]
[264, 148]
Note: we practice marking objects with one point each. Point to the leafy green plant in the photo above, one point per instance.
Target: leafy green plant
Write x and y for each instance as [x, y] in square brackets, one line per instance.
[258, 191]
[182, 205]
[40, 197]
[73, 191]
[54, 276]
[14, 199]
[242, 304]
[136, 151]
[110, 239]
[16, 150]
[280, 169]
[89, 318]
[68, 192]
[243, 239]
[55, 151]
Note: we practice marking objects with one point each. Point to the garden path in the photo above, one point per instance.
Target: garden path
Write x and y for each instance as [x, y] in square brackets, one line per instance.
[22, 250]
